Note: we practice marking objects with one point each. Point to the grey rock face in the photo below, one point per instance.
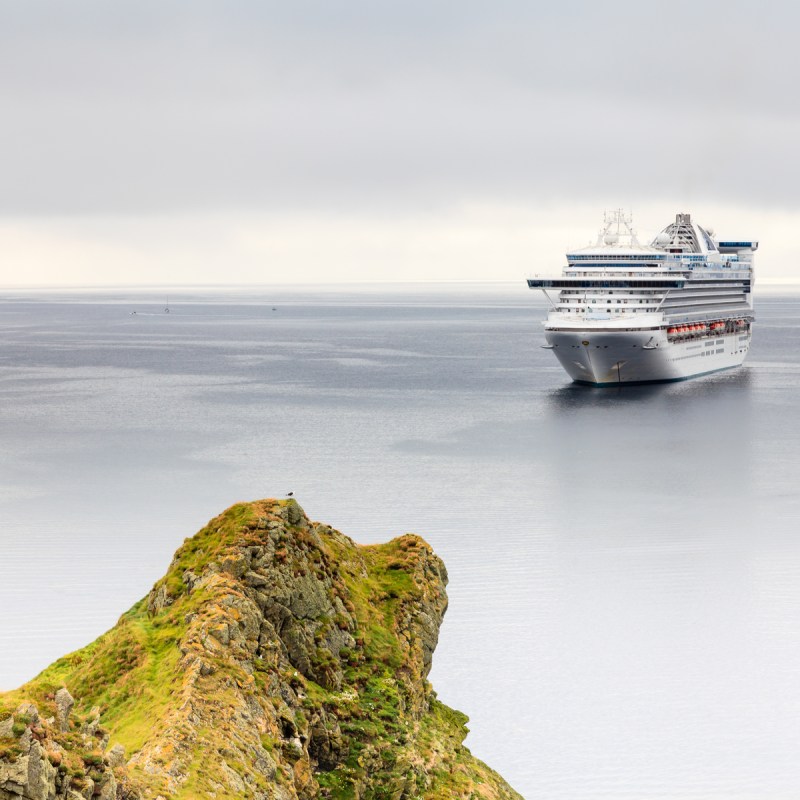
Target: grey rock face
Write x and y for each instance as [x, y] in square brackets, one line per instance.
[64, 704]
[30, 777]
[294, 513]
[326, 744]
[30, 712]
[116, 756]
[158, 599]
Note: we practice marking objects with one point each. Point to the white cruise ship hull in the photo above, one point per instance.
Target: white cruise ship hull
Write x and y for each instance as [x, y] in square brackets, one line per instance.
[610, 358]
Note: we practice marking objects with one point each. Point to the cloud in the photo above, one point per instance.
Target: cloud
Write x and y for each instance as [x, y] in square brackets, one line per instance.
[138, 107]
[291, 113]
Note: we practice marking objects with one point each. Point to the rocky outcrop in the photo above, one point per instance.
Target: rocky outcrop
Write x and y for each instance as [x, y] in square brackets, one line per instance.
[276, 660]
[64, 704]
[38, 767]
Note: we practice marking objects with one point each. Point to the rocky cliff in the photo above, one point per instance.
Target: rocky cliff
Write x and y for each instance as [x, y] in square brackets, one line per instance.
[276, 660]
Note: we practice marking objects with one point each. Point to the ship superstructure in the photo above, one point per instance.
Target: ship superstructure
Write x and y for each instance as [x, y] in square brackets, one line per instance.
[623, 312]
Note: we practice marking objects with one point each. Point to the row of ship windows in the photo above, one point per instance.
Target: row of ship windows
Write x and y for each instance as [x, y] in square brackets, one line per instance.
[704, 273]
[694, 291]
[649, 257]
[685, 258]
[721, 297]
[672, 258]
[608, 302]
[582, 292]
[601, 273]
[700, 355]
[609, 310]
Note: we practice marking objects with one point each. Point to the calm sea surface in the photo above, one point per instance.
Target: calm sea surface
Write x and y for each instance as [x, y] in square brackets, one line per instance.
[625, 564]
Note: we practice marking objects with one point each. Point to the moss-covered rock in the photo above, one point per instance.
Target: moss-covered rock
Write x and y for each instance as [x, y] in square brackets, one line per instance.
[276, 660]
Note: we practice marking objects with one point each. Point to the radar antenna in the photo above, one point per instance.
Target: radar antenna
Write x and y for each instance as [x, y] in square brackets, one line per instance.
[617, 230]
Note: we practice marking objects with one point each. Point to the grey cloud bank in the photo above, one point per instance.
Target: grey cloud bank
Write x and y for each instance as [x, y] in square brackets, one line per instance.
[296, 114]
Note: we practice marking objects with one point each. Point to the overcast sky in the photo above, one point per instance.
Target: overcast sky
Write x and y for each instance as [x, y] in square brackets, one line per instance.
[199, 142]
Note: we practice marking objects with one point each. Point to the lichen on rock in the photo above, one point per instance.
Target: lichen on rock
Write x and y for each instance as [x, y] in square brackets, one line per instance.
[276, 660]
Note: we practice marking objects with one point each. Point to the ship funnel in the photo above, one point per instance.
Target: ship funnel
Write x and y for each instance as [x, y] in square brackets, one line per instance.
[683, 218]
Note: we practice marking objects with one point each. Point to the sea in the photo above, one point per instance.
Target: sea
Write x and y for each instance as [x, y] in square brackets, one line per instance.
[624, 563]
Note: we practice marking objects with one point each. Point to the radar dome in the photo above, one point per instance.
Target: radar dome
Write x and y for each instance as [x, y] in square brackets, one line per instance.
[611, 238]
[663, 239]
[710, 232]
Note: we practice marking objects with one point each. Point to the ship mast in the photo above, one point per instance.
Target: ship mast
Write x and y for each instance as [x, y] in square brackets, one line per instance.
[617, 230]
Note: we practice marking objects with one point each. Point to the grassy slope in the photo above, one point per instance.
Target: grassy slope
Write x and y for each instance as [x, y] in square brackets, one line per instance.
[132, 673]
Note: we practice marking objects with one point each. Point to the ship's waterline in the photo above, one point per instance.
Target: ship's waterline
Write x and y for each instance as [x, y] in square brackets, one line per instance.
[675, 309]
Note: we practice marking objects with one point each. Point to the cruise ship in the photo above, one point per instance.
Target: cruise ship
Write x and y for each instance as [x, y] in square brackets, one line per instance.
[623, 312]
